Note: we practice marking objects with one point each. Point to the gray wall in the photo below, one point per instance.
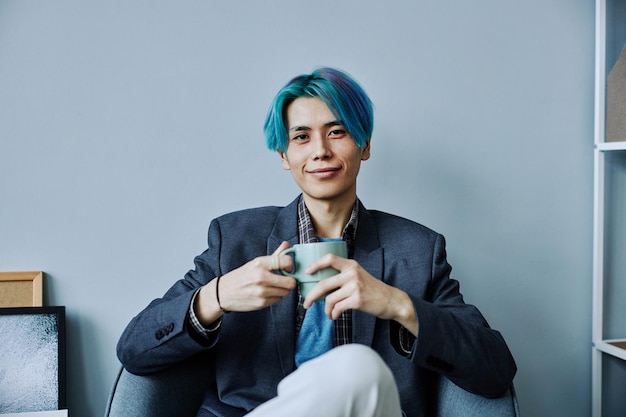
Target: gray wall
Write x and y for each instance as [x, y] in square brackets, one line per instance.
[126, 126]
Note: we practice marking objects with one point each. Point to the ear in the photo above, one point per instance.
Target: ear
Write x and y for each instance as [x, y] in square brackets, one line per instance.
[365, 153]
[284, 161]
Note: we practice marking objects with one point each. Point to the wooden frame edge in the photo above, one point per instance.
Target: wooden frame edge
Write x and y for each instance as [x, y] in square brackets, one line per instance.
[36, 277]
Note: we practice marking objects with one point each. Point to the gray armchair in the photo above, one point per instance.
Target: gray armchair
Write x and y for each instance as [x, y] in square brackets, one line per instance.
[178, 392]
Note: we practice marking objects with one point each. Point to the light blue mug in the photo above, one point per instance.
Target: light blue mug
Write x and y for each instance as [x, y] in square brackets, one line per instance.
[305, 254]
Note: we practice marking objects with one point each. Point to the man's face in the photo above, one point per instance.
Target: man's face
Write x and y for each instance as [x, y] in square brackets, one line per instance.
[321, 155]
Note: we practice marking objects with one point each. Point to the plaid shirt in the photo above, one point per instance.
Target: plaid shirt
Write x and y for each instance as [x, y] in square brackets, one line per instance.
[306, 233]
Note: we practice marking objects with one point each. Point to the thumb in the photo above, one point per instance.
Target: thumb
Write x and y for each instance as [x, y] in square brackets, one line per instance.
[281, 248]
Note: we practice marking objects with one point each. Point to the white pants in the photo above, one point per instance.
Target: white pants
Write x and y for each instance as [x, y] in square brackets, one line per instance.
[349, 381]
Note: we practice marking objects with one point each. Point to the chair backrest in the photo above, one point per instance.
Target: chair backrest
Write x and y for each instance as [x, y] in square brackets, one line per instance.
[178, 392]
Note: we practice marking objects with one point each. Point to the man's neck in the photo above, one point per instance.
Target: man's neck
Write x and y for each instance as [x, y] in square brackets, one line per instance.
[329, 217]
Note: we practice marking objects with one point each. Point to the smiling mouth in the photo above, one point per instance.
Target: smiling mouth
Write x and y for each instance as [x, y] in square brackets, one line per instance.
[322, 173]
[323, 170]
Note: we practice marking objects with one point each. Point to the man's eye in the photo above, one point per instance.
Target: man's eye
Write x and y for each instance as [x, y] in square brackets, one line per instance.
[337, 133]
[300, 137]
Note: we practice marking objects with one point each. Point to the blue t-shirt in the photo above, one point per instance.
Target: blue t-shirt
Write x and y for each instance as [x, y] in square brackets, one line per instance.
[316, 334]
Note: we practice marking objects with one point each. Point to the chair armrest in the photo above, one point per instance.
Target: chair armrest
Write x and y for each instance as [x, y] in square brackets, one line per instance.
[175, 392]
[456, 402]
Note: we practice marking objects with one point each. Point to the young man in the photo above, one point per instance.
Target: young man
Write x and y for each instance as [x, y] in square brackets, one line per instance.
[393, 294]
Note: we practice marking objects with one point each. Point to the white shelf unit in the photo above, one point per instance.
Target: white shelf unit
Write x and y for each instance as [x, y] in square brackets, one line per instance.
[611, 146]
[601, 346]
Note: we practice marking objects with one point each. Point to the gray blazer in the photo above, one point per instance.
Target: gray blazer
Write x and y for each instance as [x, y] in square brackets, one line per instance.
[252, 351]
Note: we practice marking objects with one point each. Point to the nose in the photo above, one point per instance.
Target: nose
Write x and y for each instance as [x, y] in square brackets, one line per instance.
[321, 148]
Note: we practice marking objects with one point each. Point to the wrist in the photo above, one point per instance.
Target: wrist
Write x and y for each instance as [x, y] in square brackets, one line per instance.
[217, 294]
[206, 306]
[405, 313]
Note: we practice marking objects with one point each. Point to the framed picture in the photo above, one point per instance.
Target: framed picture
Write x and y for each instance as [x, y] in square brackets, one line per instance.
[21, 289]
[32, 359]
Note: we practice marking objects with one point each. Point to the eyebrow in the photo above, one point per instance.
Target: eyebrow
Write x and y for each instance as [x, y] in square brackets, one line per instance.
[304, 128]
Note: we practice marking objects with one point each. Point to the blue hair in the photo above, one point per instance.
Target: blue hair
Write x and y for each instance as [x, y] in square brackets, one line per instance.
[341, 93]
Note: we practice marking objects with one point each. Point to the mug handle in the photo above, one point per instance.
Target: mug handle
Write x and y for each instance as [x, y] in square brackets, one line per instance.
[287, 252]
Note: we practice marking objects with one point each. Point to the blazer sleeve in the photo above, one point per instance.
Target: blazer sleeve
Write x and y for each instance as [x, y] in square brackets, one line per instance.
[454, 339]
[160, 335]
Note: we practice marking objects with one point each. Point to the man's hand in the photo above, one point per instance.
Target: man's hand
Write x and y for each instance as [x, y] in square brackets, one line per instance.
[252, 286]
[355, 288]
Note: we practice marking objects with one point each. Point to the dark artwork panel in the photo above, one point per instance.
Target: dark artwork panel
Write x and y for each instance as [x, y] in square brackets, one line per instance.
[32, 359]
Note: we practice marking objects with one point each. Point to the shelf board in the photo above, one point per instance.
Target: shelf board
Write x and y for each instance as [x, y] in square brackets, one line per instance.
[611, 146]
[614, 347]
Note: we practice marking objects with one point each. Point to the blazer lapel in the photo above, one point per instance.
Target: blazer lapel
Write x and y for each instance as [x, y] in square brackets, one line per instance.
[369, 254]
[283, 313]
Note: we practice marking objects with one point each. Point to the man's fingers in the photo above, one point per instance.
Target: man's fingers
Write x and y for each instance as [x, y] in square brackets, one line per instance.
[276, 262]
[327, 261]
[325, 286]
